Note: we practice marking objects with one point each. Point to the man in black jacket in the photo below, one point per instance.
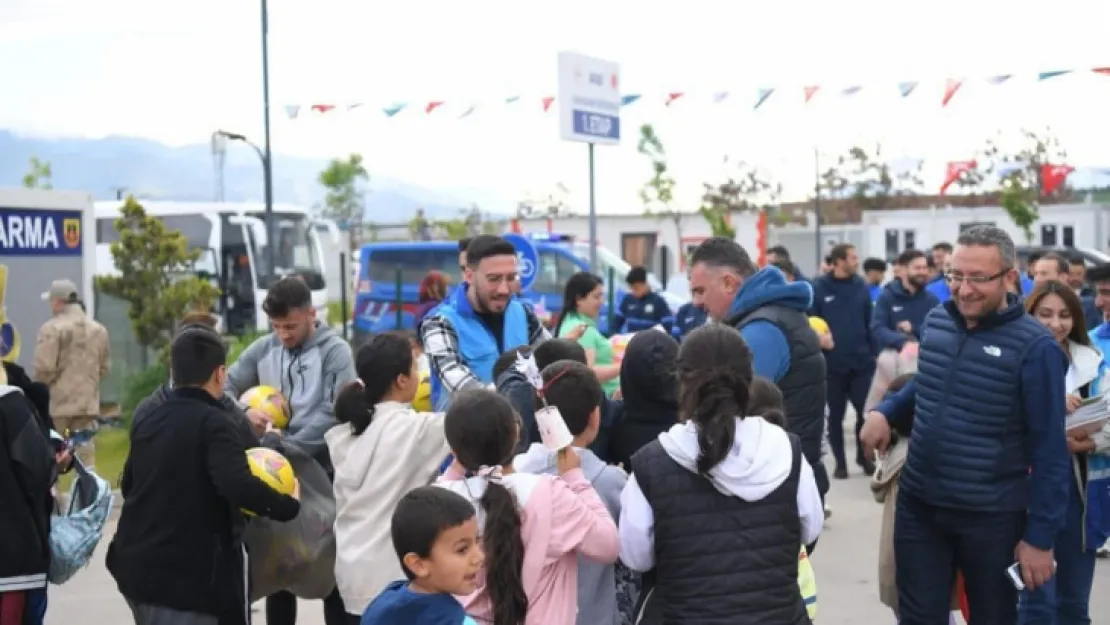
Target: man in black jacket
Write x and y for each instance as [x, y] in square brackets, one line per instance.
[176, 555]
[26, 473]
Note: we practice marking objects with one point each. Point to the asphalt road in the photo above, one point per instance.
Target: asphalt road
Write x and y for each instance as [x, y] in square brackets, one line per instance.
[845, 563]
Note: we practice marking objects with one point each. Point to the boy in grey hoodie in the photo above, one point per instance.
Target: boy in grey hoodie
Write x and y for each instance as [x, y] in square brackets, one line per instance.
[573, 388]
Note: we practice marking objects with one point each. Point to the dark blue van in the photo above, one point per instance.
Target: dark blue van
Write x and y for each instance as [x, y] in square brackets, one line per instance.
[560, 258]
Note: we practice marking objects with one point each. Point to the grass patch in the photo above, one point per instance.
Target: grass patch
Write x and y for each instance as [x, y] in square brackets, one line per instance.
[112, 445]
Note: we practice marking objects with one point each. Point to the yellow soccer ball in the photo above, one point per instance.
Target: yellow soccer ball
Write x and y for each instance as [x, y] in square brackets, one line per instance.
[273, 469]
[270, 401]
[819, 325]
[422, 402]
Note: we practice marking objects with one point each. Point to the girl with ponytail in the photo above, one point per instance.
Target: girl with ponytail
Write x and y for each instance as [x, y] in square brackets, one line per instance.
[719, 504]
[533, 527]
[381, 449]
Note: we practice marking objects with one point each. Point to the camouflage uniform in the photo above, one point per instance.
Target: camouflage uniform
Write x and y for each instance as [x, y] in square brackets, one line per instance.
[71, 358]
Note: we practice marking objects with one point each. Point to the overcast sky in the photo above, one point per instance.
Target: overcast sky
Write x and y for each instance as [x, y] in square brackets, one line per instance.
[176, 71]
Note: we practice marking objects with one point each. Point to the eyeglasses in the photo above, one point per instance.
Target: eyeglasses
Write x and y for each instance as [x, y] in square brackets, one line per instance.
[957, 279]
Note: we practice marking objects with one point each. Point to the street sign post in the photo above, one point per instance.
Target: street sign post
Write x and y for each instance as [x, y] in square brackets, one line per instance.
[528, 259]
[589, 106]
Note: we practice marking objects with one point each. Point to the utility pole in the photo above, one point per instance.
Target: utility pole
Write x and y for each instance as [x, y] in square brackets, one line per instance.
[267, 165]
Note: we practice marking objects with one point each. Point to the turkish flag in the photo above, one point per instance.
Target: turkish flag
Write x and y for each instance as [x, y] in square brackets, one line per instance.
[1053, 177]
[953, 172]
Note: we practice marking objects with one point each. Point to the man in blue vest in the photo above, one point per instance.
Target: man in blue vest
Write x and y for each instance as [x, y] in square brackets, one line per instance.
[479, 320]
[986, 479]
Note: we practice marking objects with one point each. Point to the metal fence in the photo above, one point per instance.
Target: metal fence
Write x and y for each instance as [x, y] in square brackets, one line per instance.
[128, 357]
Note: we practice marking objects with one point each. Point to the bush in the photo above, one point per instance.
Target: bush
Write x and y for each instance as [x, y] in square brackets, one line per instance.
[139, 386]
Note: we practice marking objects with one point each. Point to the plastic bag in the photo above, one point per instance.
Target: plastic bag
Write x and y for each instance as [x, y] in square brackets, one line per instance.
[75, 534]
[807, 583]
[297, 556]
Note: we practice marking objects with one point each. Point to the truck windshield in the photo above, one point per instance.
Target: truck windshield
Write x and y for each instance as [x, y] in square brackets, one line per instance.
[297, 251]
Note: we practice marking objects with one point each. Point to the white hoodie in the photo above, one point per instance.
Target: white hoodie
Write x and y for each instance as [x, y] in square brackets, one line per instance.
[401, 450]
[758, 463]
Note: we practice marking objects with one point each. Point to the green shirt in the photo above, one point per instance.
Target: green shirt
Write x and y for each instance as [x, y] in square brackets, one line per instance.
[592, 339]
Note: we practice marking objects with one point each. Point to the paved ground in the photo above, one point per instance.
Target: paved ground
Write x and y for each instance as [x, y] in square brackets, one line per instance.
[844, 562]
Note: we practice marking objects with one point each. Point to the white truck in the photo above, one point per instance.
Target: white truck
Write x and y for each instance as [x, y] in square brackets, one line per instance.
[234, 246]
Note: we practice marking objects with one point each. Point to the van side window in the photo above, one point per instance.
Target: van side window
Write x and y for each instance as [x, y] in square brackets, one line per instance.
[554, 271]
[415, 263]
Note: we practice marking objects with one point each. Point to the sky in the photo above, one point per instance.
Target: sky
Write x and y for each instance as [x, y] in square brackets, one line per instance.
[175, 72]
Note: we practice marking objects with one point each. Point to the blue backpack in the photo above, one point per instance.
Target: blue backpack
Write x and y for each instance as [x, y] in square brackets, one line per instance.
[75, 534]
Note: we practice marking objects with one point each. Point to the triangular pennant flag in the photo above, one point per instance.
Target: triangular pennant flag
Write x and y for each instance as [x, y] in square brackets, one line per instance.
[951, 86]
[1105, 71]
[761, 96]
[433, 105]
[547, 101]
[672, 96]
[1054, 74]
[512, 99]
[810, 91]
[292, 110]
[629, 99]
[323, 108]
[351, 107]
[998, 80]
[853, 90]
[468, 111]
[393, 109]
[906, 88]
[720, 96]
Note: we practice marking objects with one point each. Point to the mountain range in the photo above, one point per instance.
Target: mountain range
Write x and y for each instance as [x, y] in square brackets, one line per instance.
[153, 170]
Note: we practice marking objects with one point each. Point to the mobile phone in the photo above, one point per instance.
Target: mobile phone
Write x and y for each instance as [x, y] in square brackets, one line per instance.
[1014, 574]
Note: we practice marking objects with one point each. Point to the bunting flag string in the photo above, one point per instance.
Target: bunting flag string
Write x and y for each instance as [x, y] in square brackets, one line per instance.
[669, 99]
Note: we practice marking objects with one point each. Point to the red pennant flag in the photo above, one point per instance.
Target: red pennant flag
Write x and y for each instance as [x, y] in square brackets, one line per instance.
[547, 103]
[672, 96]
[1053, 177]
[810, 92]
[953, 172]
[323, 108]
[433, 105]
[1105, 71]
[951, 86]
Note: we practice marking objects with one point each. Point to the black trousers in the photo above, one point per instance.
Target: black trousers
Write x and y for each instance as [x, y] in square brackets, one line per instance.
[840, 389]
[281, 609]
[931, 543]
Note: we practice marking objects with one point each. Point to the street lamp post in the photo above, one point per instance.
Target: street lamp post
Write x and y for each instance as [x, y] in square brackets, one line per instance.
[267, 160]
[263, 156]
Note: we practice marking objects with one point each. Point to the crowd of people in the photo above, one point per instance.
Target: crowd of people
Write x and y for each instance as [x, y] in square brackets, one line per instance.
[693, 485]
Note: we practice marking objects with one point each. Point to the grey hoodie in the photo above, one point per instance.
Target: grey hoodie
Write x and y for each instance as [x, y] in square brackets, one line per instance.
[309, 377]
[597, 586]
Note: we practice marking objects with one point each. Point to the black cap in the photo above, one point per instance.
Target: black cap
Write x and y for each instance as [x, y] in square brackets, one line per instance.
[1099, 273]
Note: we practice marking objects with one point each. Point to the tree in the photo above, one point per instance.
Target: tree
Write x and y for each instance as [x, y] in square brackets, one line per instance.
[156, 276]
[745, 189]
[343, 199]
[868, 180]
[39, 175]
[657, 194]
[454, 229]
[1021, 167]
[550, 205]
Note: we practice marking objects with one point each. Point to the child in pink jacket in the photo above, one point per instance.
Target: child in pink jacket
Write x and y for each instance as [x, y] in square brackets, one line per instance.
[533, 527]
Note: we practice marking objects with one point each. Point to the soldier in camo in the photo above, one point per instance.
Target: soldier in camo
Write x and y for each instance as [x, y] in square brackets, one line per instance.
[71, 358]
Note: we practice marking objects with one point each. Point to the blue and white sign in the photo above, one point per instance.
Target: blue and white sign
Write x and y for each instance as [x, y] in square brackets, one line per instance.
[528, 259]
[34, 232]
[589, 99]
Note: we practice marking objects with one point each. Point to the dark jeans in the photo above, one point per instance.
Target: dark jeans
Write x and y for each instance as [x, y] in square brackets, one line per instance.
[281, 609]
[354, 619]
[1065, 599]
[931, 543]
[841, 388]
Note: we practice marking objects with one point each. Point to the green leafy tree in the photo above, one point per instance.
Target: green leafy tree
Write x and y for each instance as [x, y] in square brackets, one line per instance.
[156, 276]
[39, 175]
[657, 194]
[454, 229]
[343, 180]
[744, 189]
[1021, 165]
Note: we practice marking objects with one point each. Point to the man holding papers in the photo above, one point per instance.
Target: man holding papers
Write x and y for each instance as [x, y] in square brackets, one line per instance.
[985, 482]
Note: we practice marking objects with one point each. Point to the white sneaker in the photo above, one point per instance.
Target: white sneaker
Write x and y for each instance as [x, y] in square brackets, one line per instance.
[828, 511]
[1104, 551]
